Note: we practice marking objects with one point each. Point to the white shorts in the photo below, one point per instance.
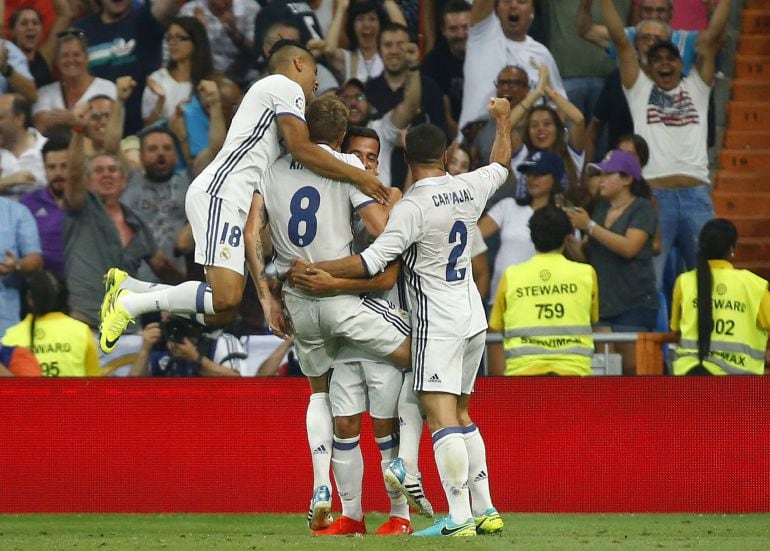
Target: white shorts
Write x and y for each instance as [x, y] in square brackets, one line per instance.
[323, 325]
[217, 227]
[448, 366]
[357, 387]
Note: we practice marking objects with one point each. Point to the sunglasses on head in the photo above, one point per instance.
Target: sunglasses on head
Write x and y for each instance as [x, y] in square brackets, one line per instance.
[71, 32]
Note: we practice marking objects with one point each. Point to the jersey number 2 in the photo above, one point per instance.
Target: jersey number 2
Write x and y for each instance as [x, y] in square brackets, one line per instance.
[458, 234]
[303, 207]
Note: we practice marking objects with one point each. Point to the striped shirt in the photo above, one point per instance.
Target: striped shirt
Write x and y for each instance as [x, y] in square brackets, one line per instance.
[434, 226]
[253, 142]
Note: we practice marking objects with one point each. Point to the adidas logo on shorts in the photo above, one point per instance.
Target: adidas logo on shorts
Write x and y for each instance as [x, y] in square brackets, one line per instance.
[434, 378]
[320, 449]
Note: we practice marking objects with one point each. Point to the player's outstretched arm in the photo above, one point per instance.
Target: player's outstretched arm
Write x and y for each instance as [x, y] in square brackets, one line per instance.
[315, 158]
[255, 259]
[320, 282]
[500, 110]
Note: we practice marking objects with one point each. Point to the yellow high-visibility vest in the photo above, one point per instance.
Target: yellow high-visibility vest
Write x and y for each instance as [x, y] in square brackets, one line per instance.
[738, 342]
[64, 346]
[547, 318]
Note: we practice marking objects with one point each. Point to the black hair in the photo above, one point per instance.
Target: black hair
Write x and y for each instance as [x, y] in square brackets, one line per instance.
[161, 129]
[640, 188]
[274, 57]
[360, 8]
[46, 293]
[21, 106]
[548, 228]
[359, 132]
[526, 200]
[55, 142]
[640, 146]
[425, 144]
[453, 6]
[717, 238]
[201, 62]
[17, 13]
[391, 27]
[664, 45]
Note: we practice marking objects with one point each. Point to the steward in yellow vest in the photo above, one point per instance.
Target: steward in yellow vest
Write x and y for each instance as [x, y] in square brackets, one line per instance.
[64, 346]
[545, 306]
[723, 313]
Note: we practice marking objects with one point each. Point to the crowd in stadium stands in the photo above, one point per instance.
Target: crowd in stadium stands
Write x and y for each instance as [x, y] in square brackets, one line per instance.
[110, 108]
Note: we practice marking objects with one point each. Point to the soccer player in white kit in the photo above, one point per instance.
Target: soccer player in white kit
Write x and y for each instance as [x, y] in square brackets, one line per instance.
[362, 382]
[310, 217]
[271, 116]
[432, 227]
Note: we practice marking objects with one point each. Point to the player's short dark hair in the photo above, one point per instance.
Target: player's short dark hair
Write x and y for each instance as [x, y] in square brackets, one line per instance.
[548, 227]
[453, 6]
[55, 142]
[425, 144]
[283, 51]
[327, 118]
[359, 132]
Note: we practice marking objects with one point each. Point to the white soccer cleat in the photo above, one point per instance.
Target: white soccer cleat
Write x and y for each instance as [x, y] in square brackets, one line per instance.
[409, 485]
[319, 516]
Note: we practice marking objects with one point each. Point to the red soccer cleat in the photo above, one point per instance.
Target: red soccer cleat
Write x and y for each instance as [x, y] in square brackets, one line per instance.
[343, 526]
[395, 526]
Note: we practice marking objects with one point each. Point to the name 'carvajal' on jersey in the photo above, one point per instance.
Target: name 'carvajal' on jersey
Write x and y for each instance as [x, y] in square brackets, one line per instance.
[460, 196]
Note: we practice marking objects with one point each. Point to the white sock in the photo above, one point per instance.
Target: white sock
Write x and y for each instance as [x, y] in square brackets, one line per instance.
[389, 451]
[410, 421]
[139, 286]
[348, 465]
[478, 474]
[189, 297]
[452, 462]
[319, 435]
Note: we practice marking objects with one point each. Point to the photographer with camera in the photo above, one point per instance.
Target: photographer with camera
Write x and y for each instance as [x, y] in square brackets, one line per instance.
[178, 347]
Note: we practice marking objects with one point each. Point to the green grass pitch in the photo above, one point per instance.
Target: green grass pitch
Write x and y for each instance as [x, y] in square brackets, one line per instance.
[529, 532]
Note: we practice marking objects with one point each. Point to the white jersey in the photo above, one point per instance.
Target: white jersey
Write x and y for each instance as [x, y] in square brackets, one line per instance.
[434, 226]
[253, 142]
[309, 215]
[390, 138]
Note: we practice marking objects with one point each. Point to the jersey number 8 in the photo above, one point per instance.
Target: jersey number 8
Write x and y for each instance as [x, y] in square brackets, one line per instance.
[303, 224]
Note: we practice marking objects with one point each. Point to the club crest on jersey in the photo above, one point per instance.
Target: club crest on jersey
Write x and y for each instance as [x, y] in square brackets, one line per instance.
[224, 254]
[299, 103]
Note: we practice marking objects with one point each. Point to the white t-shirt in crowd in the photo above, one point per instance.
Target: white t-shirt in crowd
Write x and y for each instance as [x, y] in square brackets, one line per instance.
[51, 96]
[515, 241]
[675, 125]
[390, 138]
[176, 93]
[487, 52]
[365, 69]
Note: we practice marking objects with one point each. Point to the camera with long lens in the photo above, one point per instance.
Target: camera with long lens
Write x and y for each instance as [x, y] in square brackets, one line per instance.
[176, 329]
